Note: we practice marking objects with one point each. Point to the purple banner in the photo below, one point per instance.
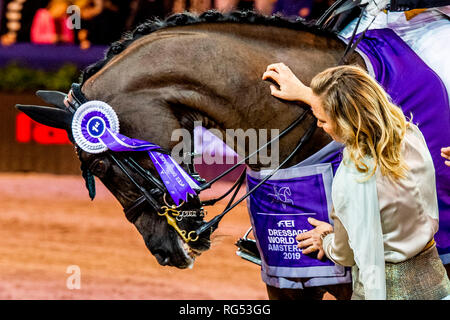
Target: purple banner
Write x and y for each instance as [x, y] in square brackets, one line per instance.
[279, 211]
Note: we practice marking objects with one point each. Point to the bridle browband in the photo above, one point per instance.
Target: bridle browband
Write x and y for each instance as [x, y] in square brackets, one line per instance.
[75, 98]
[73, 101]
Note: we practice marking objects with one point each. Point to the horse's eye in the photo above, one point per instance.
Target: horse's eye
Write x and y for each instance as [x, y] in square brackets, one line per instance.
[99, 167]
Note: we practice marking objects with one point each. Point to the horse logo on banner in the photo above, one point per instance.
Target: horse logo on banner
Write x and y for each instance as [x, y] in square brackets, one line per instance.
[281, 195]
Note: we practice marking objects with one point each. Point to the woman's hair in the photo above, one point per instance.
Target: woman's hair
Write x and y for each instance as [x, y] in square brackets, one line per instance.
[368, 123]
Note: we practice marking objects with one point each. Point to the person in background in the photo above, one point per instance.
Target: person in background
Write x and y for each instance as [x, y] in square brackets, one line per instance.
[194, 6]
[17, 19]
[260, 6]
[142, 10]
[307, 9]
[50, 24]
[89, 9]
[102, 21]
[293, 8]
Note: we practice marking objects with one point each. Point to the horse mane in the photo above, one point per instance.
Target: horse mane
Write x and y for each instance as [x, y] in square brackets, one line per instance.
[187, 18]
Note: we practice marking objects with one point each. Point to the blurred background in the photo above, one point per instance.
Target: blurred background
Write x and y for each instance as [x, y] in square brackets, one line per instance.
[47, 222]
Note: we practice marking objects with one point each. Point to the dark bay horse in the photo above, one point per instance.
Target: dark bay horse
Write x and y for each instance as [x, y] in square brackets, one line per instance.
[167, 74]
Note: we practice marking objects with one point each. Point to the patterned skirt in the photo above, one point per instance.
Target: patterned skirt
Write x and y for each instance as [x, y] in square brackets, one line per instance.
[422, 277]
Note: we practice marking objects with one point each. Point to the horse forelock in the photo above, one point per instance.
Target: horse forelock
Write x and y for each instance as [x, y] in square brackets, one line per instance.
[210, 16]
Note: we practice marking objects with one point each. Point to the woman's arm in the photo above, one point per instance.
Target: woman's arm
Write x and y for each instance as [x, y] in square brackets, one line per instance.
[329, 241]
[291, 88]
[335, 245]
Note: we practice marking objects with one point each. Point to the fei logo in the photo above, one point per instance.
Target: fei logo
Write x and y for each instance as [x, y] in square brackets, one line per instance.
[282, 195]
[286, 223]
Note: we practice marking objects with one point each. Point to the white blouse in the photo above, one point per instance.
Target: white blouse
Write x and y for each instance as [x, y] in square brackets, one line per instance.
[406, 210]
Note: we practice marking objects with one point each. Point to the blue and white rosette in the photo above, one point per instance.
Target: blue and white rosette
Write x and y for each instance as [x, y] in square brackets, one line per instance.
[95, 128]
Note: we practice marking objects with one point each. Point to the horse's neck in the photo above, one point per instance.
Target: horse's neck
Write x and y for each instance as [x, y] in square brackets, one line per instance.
[213, 71]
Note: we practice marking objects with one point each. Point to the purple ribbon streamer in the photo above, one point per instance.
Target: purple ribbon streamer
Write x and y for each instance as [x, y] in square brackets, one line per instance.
[178, 183]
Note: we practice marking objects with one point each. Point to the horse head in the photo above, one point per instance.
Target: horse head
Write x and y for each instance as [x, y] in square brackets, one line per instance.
[164, 76]
[168, 229]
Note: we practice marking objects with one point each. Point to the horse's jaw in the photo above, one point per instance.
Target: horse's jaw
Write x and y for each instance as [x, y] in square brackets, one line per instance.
[190, 254]
[166, 245]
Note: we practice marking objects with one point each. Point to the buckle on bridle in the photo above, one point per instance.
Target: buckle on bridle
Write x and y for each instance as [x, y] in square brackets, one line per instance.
[170, 213]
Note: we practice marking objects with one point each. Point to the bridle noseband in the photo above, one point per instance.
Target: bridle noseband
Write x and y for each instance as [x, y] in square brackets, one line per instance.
[75, 98]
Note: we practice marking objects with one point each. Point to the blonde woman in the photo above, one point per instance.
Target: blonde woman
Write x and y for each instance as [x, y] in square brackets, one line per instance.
[385, 210]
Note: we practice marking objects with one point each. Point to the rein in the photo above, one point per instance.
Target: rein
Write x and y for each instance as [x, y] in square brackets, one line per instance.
[215, 221]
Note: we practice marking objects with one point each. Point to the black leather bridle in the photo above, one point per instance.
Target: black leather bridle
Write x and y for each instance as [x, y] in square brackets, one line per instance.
[157, 190]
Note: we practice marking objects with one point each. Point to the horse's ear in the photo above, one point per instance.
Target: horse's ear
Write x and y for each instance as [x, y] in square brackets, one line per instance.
[53, 117]
[55, 98]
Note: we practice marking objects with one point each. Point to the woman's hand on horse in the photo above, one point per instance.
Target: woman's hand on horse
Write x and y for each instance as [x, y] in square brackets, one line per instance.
[311, 240]
[291, 88]
[445, 153]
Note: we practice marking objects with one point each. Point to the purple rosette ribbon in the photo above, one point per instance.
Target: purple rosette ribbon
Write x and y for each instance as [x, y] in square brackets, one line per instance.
[95, 129]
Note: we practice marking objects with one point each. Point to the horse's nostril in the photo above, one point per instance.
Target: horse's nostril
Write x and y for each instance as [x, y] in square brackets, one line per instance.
[162, 257]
